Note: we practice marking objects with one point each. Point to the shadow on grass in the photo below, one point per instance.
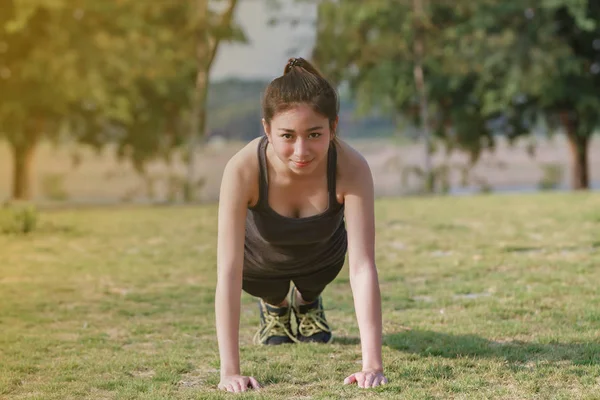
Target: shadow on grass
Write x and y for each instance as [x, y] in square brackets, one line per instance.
[428, 343]
[523, 249]
[542, 249]
[346, 340]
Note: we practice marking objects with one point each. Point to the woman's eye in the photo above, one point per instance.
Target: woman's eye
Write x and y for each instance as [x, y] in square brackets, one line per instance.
[314, 135]
[286, 136]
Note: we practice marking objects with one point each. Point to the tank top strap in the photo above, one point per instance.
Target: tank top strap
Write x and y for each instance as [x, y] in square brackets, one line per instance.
[263, 184]
[332, 174]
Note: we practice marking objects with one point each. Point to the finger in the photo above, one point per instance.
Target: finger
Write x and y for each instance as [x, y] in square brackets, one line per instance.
[244, 385]
[237, 386]
[361, 380]
[382, 380]
[350, 379]
[376, 381]
[254, 383]
[369, 380]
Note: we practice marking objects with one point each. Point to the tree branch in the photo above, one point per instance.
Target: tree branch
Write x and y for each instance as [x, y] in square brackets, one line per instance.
[213, 41]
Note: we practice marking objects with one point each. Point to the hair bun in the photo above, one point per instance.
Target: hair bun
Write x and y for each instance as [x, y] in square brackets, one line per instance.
[295, 62]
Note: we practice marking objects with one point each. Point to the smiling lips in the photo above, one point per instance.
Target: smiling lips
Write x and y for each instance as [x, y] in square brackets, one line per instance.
[301, 164]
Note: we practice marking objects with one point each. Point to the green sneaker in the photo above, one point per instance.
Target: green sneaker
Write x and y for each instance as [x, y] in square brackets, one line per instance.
[275, 327]
[311, 322]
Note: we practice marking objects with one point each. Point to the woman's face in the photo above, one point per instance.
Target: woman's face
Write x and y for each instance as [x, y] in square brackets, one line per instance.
[300, 138]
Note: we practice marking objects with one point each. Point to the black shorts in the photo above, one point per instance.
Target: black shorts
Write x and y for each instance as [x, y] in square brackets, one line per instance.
[274, 290]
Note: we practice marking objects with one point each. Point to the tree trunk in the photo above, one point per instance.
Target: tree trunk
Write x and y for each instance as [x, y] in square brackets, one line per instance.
[23, 154]
[206, 49]
[419, 48]
[199, 94]
[578, 146]
[197, 131]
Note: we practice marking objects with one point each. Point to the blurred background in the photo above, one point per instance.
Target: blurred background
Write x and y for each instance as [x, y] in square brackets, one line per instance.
[115, 101]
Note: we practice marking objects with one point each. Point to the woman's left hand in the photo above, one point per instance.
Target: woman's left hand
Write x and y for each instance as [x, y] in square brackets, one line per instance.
[367, 379]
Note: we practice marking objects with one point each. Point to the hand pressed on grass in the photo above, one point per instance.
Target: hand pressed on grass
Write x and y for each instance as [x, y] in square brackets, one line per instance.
[238, 383]
[367, 379]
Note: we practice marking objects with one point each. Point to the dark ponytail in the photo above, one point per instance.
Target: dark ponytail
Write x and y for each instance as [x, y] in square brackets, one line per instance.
[301, 83]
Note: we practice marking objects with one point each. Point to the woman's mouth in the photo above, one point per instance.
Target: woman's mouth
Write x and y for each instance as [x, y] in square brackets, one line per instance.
[301, 164]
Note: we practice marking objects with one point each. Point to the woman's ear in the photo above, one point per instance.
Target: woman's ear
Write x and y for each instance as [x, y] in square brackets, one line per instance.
[267, 129]
[333, 127]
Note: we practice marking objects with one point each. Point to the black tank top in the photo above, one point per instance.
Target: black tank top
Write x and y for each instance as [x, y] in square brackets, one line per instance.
[277, 246]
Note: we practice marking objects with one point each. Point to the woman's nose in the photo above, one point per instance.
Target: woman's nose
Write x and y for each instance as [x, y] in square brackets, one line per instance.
[300, 148]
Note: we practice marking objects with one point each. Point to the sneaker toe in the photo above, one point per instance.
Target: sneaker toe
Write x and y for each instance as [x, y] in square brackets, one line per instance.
[276, 340]
[320, 337]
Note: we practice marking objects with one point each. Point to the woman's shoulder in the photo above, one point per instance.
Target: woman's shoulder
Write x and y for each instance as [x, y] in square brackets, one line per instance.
[350, 162]
[353, 171]
[245, 157]
[243, 168]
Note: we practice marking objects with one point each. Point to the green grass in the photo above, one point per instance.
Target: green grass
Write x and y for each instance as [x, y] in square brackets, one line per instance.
[490, 297]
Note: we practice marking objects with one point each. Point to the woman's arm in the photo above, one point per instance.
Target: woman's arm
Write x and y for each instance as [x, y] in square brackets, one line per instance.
[233, 202]
[360, 224]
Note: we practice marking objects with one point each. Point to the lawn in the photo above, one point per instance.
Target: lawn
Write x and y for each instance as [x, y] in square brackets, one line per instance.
[484, 297]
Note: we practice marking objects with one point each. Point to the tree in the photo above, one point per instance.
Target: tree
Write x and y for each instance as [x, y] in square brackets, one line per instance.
[542, 60]
[147, 79]
[388, 49]
[103, 72]
[95, 71]
[486, 61]
[419, 54]
[41, 74]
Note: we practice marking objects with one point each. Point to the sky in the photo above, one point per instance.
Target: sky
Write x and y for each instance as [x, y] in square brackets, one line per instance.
[269, 47]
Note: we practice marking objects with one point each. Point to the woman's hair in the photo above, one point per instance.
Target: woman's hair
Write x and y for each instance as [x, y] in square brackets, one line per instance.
[301, 83]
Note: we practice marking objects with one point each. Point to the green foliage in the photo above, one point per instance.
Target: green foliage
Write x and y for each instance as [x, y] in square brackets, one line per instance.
[552, 176]
[147, 80]
[550, 68]
[538, 58]
[119, 72]
[35, 83]
[378, 57]
[491, 67]
[18, 218]
[53, 186]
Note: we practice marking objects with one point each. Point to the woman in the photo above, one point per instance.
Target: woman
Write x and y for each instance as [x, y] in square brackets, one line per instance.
[291, 203]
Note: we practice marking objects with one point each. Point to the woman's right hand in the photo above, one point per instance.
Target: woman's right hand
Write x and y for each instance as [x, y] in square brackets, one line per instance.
[238, 383]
